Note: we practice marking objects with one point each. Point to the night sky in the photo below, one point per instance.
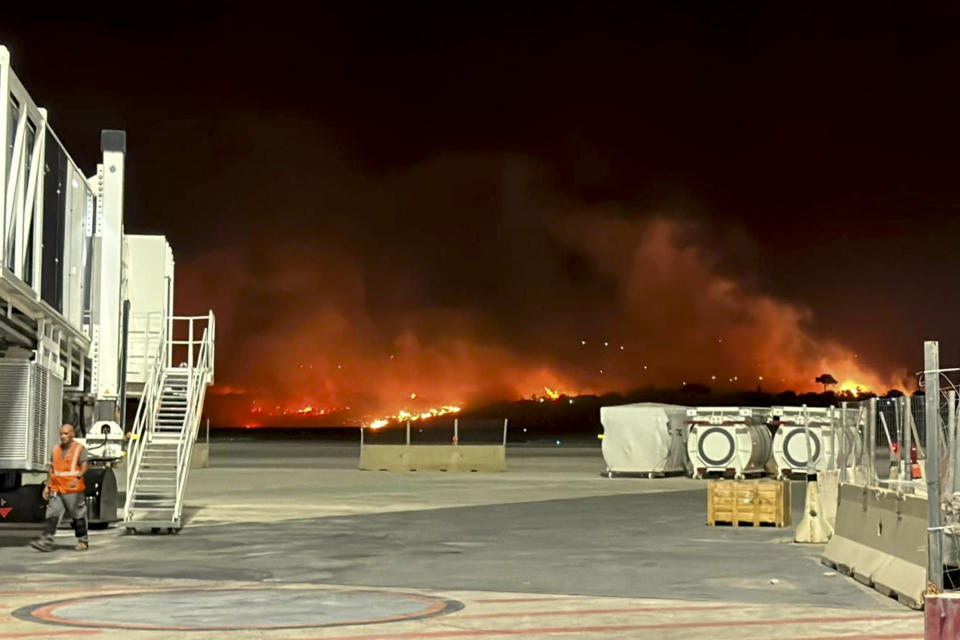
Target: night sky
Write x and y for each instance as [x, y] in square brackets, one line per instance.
[386, 200]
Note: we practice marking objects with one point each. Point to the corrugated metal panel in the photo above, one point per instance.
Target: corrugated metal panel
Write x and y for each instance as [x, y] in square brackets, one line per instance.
[15, 414]
[38, 410]
[30, 406]
[54, 414]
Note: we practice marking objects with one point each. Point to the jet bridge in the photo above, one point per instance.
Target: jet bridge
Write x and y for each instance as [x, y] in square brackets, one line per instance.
[86, 312]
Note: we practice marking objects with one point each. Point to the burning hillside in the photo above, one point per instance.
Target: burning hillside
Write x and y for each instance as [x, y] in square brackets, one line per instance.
[359, 331]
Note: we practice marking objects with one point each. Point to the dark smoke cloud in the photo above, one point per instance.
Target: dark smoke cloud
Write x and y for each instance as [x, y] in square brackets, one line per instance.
[466, 278]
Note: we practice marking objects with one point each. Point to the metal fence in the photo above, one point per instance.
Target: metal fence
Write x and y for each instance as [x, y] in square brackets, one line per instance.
[883, 442]
[457, 431]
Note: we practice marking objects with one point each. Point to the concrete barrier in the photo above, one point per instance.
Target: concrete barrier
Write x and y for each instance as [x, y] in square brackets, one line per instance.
[200, 455]
[828, 487]
[813, 527]
[881, 540]
[432, 457]
[820, 509]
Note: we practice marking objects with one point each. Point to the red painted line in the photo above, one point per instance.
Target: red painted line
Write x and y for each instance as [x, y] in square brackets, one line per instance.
[467, 633]
[67, 589]
[47, 613]
[880, 636]
[509, 600]
[588, 612]
[44, 634]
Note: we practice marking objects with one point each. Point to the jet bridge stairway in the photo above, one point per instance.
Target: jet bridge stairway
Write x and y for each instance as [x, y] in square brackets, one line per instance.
[165, 429]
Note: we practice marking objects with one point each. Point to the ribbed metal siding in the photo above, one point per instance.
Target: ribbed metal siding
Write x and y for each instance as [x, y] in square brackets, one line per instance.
[30, 406]
[38, 407]
[15, 414]
[54, 413]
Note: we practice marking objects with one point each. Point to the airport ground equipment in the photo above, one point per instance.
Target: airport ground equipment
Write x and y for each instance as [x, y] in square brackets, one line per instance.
[804, 440]
[758, 502]
[728, 440]
[644, 439]
[86, 314]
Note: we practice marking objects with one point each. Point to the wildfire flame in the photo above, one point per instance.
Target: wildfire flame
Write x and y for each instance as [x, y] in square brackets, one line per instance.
[305, 410]
[850, 386]
[552, 394]
[403, 415]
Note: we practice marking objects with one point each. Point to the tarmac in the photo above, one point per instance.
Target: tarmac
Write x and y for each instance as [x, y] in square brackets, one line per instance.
[289, 540]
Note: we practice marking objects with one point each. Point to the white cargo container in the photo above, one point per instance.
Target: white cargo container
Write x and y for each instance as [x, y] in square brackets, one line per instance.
[728, 440]
[644, 439]
[804, 434]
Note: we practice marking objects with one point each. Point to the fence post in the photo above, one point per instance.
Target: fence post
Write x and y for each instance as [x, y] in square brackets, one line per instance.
[832, 460]
[505, 431]
[931, 389]
[951, 487]
[908, 434]
[408, 433]
[843, 442]
[806, 435]
[872, 441]
[456, 432]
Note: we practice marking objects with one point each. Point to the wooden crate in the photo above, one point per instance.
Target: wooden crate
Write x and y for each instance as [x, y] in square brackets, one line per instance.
[749, 503]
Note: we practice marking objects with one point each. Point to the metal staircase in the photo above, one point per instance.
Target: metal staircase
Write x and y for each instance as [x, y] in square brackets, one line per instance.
[165, 428]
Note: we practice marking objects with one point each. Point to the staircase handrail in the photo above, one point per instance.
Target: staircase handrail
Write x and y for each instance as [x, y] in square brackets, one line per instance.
[200, 375]
[143, 419]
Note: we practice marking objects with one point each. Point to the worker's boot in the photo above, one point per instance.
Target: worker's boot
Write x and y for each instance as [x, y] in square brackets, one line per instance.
[45, 542]
[80, 527]
[42, 544]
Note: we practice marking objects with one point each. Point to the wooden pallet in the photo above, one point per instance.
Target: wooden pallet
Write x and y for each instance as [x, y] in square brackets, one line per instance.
[756, 503]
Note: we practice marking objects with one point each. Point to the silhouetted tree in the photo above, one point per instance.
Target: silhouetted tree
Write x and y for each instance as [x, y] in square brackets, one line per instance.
[826, 379]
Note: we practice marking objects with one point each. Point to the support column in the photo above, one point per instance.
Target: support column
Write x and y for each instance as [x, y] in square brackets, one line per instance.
[931, 386]
[108, 239]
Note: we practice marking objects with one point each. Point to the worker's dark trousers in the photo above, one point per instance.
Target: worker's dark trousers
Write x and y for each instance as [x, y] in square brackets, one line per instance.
[72, 504]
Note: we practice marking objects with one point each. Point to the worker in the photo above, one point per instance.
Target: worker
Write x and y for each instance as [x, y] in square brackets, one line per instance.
[64, 491]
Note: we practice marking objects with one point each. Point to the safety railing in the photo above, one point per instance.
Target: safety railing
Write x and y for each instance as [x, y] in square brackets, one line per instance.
[195, 356]
[200, 376]
[183, 348]
[144, 420]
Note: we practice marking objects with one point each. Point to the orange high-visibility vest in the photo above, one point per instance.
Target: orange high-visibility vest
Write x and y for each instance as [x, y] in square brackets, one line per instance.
[65, 476]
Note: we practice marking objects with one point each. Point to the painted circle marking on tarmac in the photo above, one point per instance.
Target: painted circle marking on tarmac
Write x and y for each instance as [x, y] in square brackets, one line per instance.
[235, 609]
[715, 445]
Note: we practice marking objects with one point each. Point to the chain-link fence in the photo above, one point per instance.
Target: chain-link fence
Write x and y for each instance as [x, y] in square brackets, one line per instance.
[883, 442]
